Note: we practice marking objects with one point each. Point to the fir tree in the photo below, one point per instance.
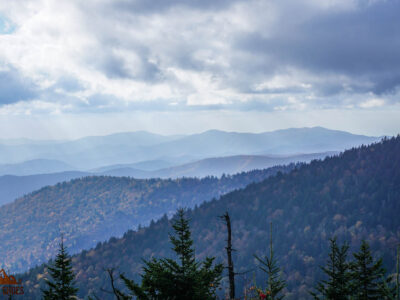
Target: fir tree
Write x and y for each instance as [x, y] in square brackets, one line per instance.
[183, 279]
[61, 287]
[368, 276]
[337, 286]
[270, 266]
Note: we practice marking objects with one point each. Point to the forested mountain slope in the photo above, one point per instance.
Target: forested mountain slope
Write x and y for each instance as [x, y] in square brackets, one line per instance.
[93, 209]
[354, 196]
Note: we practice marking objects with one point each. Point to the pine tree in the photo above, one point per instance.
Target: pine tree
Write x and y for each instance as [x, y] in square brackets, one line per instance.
[61, 287]
[183, 279]
[337, 286]
[368, 276]
[270, 266]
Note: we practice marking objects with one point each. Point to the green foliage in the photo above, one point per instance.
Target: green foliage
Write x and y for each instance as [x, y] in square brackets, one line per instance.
[368, 276]
[61, 286]
[338, 284]
[269, 264]
[183, 279]
[361, 279]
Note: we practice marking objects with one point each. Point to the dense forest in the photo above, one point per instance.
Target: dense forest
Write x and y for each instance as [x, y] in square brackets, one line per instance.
[93, 209]
[352, 196]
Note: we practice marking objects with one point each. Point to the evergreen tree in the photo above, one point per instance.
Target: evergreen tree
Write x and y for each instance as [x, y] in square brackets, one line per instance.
[183, 279]
[270, 266]
[61, 287]
[338, 285]
[368, 276]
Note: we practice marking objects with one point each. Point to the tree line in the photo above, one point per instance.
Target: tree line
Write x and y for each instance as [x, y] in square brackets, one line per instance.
[361, 278]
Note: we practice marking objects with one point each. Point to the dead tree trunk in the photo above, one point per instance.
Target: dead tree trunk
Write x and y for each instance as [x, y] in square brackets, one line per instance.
[229, 250]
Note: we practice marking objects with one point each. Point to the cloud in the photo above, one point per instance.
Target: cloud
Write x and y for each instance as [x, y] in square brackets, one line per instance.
[372, 103]
[232, 55]
[68, 84]
[15, 88]
[359, 43]
[159, 6]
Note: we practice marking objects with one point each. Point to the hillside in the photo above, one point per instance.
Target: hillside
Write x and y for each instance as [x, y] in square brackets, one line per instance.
[354, 196]
[93, 209]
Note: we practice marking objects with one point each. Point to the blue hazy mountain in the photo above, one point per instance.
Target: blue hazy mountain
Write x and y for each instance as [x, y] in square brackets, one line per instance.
[289, 141]
[148, 165]
[128, 148]
[85, 153]
[12, 187]
[216, 166]
[35, 166]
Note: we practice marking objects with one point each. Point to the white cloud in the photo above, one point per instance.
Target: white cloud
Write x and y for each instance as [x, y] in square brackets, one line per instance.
[231, 55]
[372, 103]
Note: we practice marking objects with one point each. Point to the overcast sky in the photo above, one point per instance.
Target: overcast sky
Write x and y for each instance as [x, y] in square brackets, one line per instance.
[74, 68]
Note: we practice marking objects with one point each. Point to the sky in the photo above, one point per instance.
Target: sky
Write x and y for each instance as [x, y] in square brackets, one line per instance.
[72, 68]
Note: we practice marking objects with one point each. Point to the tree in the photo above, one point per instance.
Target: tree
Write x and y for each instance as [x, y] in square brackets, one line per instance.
[270, 266]
[61, 287]
[229, 249]
[397, 273]
[368, 276]
[337, 286]
[183, 279]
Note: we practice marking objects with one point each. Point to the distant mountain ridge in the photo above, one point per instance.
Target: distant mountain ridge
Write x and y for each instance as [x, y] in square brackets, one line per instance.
[129, 148]
[216, 166]
[352, 196]
[35, 166]
[12, 187]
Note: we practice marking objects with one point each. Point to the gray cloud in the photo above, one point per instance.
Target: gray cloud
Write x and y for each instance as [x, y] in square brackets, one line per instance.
[363, 44]
[158, 6]
[15, 88]
[360, 44]
[69, 84]
[114, 67]
[262, 51]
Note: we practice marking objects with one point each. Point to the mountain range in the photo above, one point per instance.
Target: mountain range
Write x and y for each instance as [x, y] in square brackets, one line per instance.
[12, 187]
[129, 148]
[216, 166]
[146, 155]
[36, 166]
[352, 196]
